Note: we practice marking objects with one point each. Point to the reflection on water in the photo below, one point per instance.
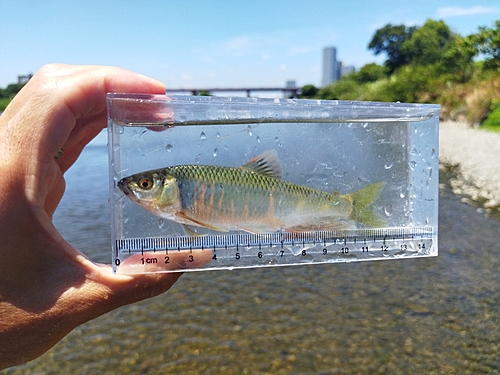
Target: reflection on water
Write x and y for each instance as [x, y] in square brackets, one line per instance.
[436, 315]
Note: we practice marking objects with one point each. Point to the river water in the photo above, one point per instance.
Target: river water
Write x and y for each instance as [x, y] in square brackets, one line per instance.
[414, 316]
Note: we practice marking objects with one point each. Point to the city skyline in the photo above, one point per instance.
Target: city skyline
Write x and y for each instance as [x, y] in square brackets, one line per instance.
[214, 44]
[333, 68]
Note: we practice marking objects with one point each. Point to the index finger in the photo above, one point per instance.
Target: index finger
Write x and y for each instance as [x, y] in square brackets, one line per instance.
[65, 101]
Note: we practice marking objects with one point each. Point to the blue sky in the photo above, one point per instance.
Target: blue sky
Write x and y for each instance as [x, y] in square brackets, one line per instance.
[213, 43]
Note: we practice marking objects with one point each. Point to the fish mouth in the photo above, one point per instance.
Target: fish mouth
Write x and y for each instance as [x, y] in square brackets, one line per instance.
[122, 185]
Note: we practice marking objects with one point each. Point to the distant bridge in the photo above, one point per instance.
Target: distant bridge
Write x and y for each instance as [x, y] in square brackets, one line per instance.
[288, 92]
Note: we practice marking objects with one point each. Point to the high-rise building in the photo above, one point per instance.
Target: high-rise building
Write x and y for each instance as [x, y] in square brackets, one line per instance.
[345, 70]
[331, 71]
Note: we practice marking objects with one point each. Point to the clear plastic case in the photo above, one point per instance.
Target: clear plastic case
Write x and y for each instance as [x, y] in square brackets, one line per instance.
[378, 162]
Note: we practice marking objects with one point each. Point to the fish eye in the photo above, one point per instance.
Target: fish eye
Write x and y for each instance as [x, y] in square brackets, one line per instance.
[145, 183]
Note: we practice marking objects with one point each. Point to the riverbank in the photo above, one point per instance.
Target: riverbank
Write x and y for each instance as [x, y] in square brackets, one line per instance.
[473, 157]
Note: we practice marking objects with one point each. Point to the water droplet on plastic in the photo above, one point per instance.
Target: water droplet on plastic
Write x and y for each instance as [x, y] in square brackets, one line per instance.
[402, 195]
[169, 147]
[258, 139]
[249, 130]
[388, 165]
[433, 152]
[217, 136]
[412, 165]
[388, 210]
[197, 158]
[215, 151]
[161, 223]
[413, 151]
[278, 142]
[203, 136]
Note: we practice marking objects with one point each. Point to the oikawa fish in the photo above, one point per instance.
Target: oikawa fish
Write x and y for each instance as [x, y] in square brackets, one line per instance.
[252, 198]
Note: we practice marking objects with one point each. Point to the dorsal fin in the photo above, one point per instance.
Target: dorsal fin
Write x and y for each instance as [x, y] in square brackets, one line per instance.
[266, 164]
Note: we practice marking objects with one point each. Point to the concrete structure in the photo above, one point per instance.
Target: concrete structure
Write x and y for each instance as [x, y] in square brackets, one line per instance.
[24, 79]
[292, 86]
[288, 92]
[331, 71]
[345, 70]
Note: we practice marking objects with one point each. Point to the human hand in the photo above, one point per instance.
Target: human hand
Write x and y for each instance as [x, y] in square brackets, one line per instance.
[47, 287]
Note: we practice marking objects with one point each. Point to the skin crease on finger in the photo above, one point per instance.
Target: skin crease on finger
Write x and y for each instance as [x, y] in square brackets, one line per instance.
[47, 287]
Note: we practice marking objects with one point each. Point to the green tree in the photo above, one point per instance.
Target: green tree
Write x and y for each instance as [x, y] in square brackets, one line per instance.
[344, 89]
[390, 40]
[11, 90]
[370, 73]
[308, 92]
[487, 41]
[7, 94]
[428, 43]
[458, 59]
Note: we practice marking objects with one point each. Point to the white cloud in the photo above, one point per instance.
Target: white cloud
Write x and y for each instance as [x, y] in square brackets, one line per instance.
[461, 11]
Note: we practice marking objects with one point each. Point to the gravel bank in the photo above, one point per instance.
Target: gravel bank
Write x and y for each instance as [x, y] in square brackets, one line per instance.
[474, 157]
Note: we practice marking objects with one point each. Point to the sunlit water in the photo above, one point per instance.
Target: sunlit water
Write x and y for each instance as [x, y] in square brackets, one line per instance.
[437, 315]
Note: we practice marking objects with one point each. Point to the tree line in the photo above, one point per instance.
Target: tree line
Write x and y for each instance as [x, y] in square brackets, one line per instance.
[424, 64]
[429, 64]
[8, 93]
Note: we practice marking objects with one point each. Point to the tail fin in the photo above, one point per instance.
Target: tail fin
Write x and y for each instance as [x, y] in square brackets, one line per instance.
[361, 202]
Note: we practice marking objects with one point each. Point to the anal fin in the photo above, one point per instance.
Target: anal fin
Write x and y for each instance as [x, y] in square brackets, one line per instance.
[322, 225]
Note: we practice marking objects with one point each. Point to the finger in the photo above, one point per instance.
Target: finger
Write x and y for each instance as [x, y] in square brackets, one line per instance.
[63, 101]
[132, 284]
[155, 262]
[71, 153]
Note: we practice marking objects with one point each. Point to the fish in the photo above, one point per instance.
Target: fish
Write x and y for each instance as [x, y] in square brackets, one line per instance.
[252, 198]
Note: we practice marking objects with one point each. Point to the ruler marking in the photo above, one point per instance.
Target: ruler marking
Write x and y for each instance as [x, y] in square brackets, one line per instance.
[392, 240]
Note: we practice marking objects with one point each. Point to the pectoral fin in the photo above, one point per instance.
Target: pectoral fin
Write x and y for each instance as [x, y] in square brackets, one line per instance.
[196, 222]
[189, 232]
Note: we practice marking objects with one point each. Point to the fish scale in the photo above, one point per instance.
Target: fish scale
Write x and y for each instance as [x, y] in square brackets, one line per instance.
[241, 188]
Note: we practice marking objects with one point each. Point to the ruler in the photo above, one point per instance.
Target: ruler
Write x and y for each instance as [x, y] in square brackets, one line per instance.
[246, 250]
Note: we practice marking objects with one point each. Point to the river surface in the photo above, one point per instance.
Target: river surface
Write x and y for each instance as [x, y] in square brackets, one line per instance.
[414, 316]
